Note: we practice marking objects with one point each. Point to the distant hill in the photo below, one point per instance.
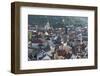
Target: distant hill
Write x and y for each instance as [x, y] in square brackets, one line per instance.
[57, 21]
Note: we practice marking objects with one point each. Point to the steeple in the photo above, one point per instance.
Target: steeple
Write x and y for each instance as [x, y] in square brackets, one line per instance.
[47, 26]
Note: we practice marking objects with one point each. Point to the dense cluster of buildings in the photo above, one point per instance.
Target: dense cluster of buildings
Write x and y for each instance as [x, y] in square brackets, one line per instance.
[48, 43]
